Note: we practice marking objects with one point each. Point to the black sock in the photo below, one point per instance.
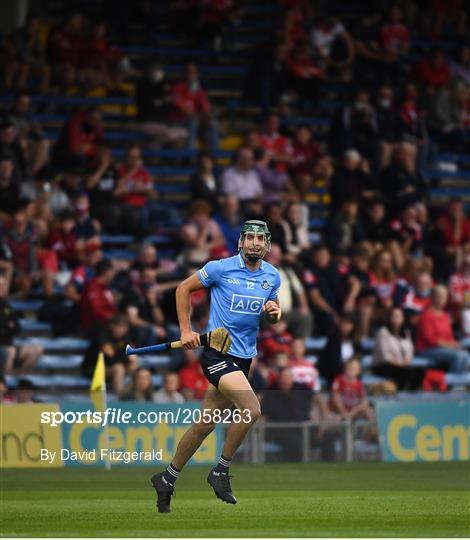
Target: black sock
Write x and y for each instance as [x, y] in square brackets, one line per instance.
[171, 474]
[223, 465]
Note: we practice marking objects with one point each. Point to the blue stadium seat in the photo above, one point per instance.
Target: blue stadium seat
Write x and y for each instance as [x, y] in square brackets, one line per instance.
[458, 379]
[71, 361]
[52, 381]
[315, 343]
[372, 379]
[123, 254]
[172, 171]
[114, 239]
[154, 361]
[26, 305]
[55, 344]
[367, 344]
[30, 325]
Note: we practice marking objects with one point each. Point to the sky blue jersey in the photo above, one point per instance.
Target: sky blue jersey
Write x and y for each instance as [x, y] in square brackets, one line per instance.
[237, 299]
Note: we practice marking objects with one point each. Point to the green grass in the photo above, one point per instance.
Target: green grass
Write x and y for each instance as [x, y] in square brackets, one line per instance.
[277, 500]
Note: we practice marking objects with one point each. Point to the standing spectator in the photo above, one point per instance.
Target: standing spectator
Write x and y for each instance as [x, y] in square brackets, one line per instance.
[205, 182]
[292, 297]
[141, 388]
[349, 398]
[192, 107]
[26, 57]
[241, 179]
[394, 39]
[22, 358]
[435, 339]
[393, 353]
[168, 393]
[112, 339]
[97, 300]
[80, 140]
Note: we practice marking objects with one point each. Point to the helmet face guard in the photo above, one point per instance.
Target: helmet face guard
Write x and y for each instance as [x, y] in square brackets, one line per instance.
[256, 227]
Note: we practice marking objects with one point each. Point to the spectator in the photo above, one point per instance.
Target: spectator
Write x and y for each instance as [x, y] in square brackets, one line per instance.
[460, 66]
[97, 302]
[205, 183]
[376, 226]
[434, 71]
[275, 340]
[303, 370]
[340, 347]
[111, 339]
[279, 146]
[168, 393]
[80, 140]
[304, 75]
[388, 121]
[10, 149]
[328, 288]
[193, 381]
[241, 179]
[408, 233]
[62, 239]
[418, 297]
[352, 180]
[201, 235]
[389, 289]
[394, 37]
[24, 392]
[230, 219]
[296, 233]
[154, 108]
[459, 291]
[349, 398]
[30, 135]
[393, 353]
[192, 107]
[26, 57]
[413, 124]
[23, 358]
[292, 297]
[334, 46]
[435, 339]
[86, 229]
[363, 298]
[454, 227]
[273, 181]
[141, 388]
[9, 190]
[305, 152]
[344, 230]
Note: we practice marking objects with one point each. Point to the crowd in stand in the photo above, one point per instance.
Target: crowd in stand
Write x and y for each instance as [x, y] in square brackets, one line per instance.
[385, 265]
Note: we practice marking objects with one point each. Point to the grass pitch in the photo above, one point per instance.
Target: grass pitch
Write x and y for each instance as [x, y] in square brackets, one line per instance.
[275, 500]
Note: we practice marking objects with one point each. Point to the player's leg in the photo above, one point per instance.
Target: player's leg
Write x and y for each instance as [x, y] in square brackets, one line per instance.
[237, 389]
[164, 482]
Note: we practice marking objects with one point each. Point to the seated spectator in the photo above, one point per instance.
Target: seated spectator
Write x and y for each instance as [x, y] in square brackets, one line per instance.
[296, 233]
[394, 38]
[86, 228]
[292, 296]
[304, 75]
[413, 124]
[24, 391]
[400, 182]
[435, 339]
[340, 347]
[305, 152]
[140, 304]
[168, 393]
[230, 220]
[63, 241]
[376, 226]
[241, 179]
[278, 145]
[66, 46]
[460, 65]
[205, 183]
[275, 340]
[25, 58]
[407, 231]
[193, 381]
[101, 184]
[348, 397]
[454, 227]
[11, 150]
[418, 297]
[393, 353]
[80, 140]
[154, 109]
[111, 339]
[21, 359]
[30, 135]
[328, 288]
[273, 181]
[202, 236]
[141, 387]
[193, 108]
[388, 121]
[10, 190]
[389, 289]
[97, 302]
[459, 292]
[343, 229]
[303, 371]
[434, 71]
[333, 45]
[352, 181]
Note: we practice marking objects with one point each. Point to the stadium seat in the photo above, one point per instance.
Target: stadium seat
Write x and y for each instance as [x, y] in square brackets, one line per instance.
[71, 361]
[55, 344]
[26, 305]
[31, 325]
[156, 361]
[317, 343]
[458, 379]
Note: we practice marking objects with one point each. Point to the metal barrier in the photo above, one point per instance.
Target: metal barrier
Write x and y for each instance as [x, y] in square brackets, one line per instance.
[341, 441]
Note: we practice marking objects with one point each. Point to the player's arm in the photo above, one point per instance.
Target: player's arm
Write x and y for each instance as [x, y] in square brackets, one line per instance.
[273, 310]
[183, 304]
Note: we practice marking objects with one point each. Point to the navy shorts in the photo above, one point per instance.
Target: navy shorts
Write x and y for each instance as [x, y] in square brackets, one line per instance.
[215, 364]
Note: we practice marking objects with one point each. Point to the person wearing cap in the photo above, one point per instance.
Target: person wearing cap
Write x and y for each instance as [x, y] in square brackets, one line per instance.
[243, 288]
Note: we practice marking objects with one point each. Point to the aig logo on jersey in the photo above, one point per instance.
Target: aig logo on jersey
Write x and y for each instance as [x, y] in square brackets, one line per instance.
[249, 305]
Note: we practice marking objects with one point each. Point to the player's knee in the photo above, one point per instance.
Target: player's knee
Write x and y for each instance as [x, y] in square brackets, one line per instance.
[255, 412]
[204, 428]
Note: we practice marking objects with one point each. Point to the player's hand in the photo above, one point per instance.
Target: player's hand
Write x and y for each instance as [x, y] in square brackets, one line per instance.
[190, 340]
[273, 310]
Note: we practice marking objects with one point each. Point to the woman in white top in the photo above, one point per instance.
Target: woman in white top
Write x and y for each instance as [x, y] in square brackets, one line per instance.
[393, 353]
